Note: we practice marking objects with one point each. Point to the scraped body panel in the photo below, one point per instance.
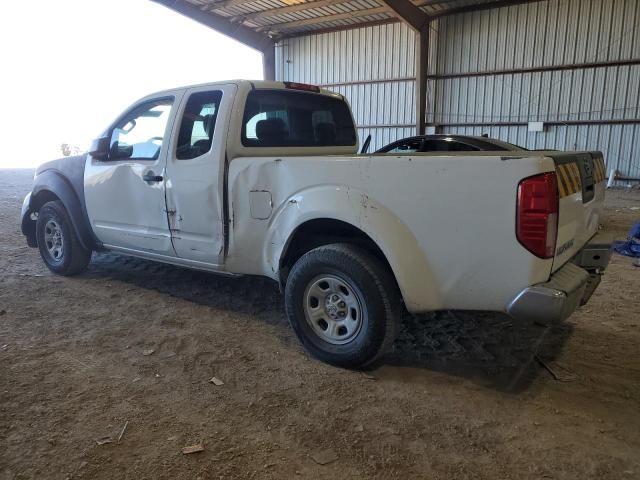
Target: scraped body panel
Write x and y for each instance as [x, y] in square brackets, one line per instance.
[444, 223]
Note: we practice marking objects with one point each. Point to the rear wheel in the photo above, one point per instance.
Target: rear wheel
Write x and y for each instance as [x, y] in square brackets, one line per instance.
[57, 241]
[343, 305]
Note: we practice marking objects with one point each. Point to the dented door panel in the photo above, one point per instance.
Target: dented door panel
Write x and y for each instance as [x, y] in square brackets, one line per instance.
[195, 190]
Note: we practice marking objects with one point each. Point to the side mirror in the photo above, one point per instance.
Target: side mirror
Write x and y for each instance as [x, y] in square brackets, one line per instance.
[100, 148]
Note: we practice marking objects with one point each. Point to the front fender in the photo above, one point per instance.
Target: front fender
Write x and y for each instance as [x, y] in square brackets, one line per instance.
[383, 226]
[53, 182]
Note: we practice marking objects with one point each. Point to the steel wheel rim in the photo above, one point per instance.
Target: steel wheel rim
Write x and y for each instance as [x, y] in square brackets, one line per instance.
[54, 240]
[333, 309]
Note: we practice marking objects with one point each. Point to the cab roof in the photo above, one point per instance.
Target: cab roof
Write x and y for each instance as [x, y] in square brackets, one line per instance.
[254, 84]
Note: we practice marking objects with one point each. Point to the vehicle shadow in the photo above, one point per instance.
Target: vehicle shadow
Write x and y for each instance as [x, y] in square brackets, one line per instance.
[490, 349]
[254, 296]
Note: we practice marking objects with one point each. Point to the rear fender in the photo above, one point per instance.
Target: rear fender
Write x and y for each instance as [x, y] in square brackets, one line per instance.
[390, 234]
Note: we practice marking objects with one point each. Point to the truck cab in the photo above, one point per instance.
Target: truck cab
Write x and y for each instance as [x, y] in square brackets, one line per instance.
[158, 190]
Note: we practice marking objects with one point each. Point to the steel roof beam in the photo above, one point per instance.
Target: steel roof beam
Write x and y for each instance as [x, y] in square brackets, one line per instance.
[409, 13]
[224, 4]
[298, 7]
[323, 19]
[238, 32]
[306, 5]
[341, 28]
[482, 6]
[311, 4]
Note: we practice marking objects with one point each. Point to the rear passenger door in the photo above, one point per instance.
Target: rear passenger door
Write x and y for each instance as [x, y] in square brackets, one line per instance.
[196, 172]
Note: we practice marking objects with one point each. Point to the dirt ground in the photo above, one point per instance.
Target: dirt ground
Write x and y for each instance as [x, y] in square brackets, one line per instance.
[463, 395]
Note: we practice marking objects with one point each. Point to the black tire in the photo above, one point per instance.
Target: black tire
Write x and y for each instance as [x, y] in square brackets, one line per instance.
[72, 258]
[374, 288]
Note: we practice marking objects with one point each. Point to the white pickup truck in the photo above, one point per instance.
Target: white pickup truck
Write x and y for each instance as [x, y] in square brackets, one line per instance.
[263, 178]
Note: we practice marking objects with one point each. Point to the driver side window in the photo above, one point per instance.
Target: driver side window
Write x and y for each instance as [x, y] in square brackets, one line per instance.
[140, 133]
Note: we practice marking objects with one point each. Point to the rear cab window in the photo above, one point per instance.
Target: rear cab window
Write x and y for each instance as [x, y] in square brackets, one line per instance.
[287, 118]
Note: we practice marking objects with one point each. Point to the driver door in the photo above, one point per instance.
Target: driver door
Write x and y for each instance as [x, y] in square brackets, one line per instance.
[125, 192]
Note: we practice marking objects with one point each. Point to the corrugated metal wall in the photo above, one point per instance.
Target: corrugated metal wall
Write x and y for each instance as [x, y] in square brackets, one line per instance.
[542, 34]
[546, 34]
[348, 61]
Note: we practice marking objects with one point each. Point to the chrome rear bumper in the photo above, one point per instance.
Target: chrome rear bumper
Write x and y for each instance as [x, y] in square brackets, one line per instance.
[567, 289]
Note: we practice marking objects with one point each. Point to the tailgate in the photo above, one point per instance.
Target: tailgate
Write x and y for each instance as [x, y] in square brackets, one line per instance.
[581, 186]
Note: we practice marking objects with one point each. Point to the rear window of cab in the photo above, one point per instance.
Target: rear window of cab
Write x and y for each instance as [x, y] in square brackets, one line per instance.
[286, 118]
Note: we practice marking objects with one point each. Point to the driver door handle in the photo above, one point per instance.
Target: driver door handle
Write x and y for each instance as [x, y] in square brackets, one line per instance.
[152, 177]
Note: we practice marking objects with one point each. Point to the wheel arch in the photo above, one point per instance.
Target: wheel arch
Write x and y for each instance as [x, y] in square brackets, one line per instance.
[330, 214]
[324, 231]
[52, 186]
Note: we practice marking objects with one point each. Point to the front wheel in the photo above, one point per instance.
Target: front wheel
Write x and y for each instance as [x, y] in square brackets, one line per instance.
[343, 305]
[57, 241]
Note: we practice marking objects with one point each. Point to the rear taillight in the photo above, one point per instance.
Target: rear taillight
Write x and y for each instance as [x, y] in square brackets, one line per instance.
[537, 214]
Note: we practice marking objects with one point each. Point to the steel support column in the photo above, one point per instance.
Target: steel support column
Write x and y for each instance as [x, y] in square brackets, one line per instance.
[422, 67]
[269, 62]
[419, 21]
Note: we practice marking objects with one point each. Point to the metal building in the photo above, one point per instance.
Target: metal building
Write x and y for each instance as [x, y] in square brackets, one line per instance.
[569, 69]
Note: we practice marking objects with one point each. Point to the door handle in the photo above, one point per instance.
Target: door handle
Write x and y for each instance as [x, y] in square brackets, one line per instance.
[152, 177]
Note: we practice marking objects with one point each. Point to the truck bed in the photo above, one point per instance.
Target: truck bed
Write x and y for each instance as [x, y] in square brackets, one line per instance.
[449, 230]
